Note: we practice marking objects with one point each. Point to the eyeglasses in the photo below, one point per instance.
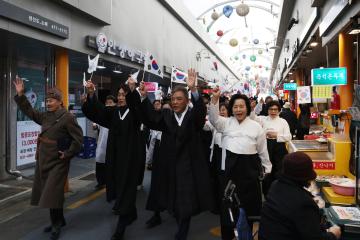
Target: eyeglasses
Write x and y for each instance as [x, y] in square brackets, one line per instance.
[273, 109]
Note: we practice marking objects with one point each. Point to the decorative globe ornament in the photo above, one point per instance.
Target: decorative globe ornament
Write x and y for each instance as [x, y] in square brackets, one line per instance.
[244, 39]
[236, 58]
[233, 42]
[253, 58]
[260, 51]
[215, 15]
[220, 33]
[247, 68]
[260, 66]
[227, 10]
[242, 10]
[243, 56]
[256, 41]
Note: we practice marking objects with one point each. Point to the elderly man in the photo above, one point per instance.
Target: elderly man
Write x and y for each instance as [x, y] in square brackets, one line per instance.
[185, 190]
[60, 139]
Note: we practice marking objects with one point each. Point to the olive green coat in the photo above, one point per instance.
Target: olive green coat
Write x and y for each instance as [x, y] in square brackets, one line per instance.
[51, 171]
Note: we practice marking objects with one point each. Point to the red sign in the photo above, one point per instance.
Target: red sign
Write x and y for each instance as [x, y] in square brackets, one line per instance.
[324, 165]
[151, 86]
[208, 91]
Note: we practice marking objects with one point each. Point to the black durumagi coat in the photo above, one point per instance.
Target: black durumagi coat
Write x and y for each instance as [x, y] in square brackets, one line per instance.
[185, 190]
[123, 163]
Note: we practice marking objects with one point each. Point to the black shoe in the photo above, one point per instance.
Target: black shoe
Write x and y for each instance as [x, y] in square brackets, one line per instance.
[153, 221]
[49, 228]
[119, 233]
[131, 218]
[55, 234]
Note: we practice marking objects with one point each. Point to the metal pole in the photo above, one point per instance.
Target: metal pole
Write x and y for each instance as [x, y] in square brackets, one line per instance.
[327, 56]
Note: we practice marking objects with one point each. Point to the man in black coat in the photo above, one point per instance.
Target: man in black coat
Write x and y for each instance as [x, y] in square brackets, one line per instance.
[290, 211]
[290, 117]
[185, 189]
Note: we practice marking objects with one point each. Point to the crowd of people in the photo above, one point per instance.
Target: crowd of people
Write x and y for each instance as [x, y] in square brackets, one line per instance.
[194, 147]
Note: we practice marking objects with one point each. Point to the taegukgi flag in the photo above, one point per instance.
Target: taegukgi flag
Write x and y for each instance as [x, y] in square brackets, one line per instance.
[178, 76]
[151, 65]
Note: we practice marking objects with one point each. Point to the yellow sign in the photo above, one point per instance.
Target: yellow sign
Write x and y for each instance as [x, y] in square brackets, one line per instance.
[322, 91]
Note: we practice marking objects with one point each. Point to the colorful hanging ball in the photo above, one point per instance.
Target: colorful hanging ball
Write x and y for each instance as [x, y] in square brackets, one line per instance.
[253, 58]
[236, 58]
[244, 39]
[233, 42]
[242, 10]
[260, 66]
[227, 10]
[256, 41]
[215, 15]
[243, 56]
[220, 33]
[247, 68]
[260, 51]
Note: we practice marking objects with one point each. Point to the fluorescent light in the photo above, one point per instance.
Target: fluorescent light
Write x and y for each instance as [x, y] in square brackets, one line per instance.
[308, 50]
[354, 31]
[117, 69]
[101, 65]
[290, 73]
[292, 80]
[314, 44]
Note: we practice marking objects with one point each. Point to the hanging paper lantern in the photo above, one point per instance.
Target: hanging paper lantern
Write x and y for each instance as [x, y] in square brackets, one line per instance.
[242, 10]
[244, 39]
[247, 68]
[256, 41]
[219, 33]
[260, 51]
[253, 58]
[215, 15]
[233, 42]
[236, 58]
[227, 10]
[243, 56]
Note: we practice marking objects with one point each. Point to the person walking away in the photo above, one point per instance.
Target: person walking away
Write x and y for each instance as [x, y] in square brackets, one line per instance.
[60, 140]
[290, 118]
[303, 121]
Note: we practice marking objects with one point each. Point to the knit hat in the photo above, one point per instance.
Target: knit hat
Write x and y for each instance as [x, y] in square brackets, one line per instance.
[298, 166]
[54, 93]
[286, 105]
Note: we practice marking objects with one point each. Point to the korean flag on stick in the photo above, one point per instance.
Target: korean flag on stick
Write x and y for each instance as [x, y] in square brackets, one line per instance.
[151, 65]
[178, 76]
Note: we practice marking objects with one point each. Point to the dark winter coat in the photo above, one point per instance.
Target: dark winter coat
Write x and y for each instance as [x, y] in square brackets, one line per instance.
[185, 188]
[123, 164]
[290, 118]
[291, 213]
[50, 171]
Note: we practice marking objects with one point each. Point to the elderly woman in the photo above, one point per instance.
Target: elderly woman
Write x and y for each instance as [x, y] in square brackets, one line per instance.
[243, 152]
[277, 134]
[290, 211]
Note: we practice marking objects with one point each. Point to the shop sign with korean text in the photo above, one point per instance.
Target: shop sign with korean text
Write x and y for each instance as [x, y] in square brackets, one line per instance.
[110, 46]
[290, 86]
[329, 76]
[20, 15]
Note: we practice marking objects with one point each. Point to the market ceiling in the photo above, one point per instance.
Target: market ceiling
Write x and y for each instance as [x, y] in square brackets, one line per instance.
[244, 30]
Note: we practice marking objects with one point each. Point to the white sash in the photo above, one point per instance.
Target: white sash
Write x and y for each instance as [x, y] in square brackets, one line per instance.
[125, 114]
[231, 134]
[181, 118]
